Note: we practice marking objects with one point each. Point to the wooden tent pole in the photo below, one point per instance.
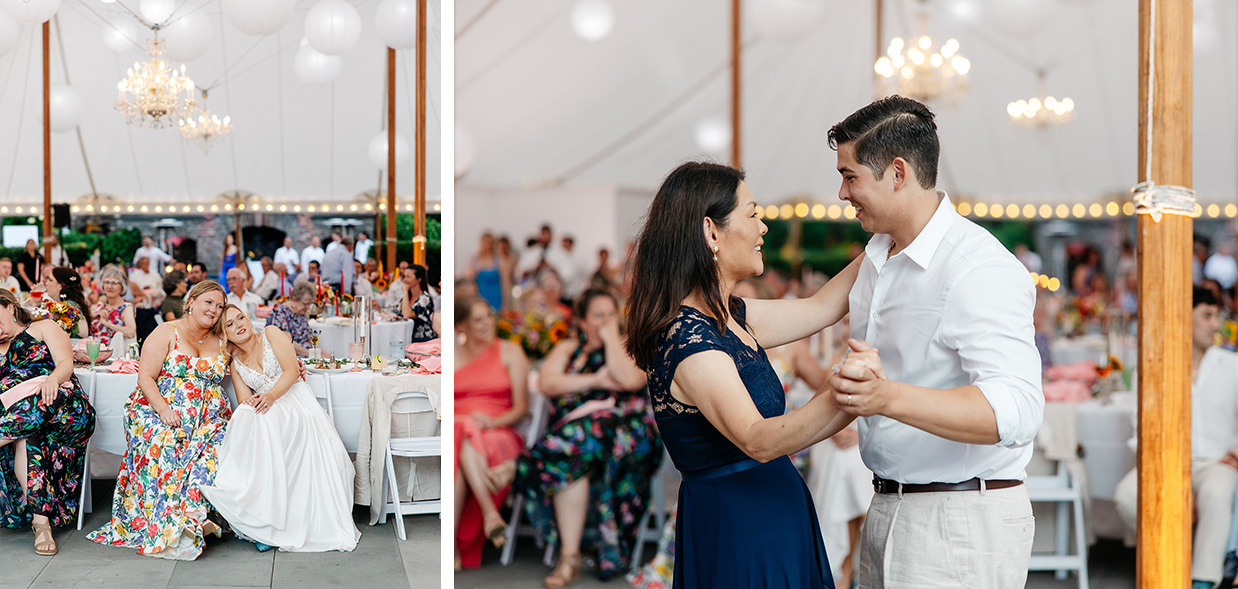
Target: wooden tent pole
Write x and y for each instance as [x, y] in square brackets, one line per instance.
[880, 36]
[736, 135]
[47, 146]
[419, 203]
[1164, 461]
[390, 243]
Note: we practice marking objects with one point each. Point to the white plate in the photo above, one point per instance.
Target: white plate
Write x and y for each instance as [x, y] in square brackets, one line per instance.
[327, 370]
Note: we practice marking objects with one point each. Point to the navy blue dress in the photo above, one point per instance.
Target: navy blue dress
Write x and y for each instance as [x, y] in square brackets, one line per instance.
[741, 523]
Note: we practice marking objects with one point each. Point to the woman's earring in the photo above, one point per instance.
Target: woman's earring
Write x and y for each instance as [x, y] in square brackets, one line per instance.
[715, 253]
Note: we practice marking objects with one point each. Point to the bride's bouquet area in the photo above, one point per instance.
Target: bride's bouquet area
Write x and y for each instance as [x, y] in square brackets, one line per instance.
[66, 315]
[536, 333]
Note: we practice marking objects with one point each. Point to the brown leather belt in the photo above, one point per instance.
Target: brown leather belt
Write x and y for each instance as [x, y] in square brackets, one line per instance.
[881, 485]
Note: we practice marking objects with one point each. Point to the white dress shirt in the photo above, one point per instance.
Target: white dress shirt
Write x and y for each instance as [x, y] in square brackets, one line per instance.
[158, 258]
[361, 250]
[10, 283]
[311, 254]
[1214, 405]
[151, 283]
[289, 258]
[954, 308]
[268, 286]
[244, 300]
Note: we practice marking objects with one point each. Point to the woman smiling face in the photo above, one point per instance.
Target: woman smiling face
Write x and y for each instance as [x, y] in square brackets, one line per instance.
[203, 310]
[237, 327]
[739, 243]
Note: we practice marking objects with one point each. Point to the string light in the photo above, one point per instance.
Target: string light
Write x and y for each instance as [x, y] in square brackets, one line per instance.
[1029, 211]
[849, 212]
[1231, 210]
[1078, 210]
[834, 211]
[963, 208]
[1214, 211]
[786, 211]
[1095, 210]
[771, 212]
[981, 209]
[818, 211]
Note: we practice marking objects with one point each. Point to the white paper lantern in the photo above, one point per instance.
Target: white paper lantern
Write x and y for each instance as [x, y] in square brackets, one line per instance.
[1019, 17]
[31, 12]
[258, 17]
[784, 18]
[593, 19]
[466, 151]
[333, 26]
[378, 150]
[10, 30]
[313, 67]
[121, 35]
[188, 38]
[396, 23]
[964, 11]
[65, 106]
[157, 11]
[713, 135]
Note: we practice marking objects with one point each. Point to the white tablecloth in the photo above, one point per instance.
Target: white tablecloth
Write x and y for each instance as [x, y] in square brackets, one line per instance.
[1079, 349]
[334, 339]
[346, 391]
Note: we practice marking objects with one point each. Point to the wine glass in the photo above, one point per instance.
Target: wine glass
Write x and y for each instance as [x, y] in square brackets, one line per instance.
[357, 351]
[92, 352]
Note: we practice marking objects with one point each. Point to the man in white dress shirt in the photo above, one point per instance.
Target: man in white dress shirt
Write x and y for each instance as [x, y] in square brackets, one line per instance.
[7, 280]
[313, 253]
[236, 283]
[289, 257]
[950, 400]
[268, 285]
[158, 257]
[147, 281]
[1214, 444]
[361, 250]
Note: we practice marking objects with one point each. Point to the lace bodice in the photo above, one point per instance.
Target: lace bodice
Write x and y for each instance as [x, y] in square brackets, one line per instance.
[260, 382]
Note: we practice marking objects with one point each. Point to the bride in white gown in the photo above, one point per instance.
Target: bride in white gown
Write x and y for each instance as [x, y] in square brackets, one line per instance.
[284, 478]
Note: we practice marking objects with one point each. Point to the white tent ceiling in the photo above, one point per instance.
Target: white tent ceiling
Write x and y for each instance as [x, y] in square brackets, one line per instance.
[543, 106]
[291, 142]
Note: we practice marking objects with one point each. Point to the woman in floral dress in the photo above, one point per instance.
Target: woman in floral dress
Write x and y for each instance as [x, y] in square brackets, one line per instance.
[113, 315]
[417, 304]
[175, 425]
[51, 426]
[588, 479]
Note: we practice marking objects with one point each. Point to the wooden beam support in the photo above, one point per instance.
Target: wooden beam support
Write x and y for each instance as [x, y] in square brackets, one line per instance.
[47, 145]
[736, 86]
[1164, 251]
[390, 243]
[419, 206]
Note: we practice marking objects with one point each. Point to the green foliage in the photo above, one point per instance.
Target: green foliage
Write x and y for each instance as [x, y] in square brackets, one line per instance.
[119, 246]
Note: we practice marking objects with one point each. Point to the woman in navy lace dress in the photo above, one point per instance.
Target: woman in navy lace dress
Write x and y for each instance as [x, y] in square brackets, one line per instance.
[745, 517]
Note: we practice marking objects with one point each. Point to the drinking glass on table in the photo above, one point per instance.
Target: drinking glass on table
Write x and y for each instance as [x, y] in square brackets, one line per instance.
[92, 352]
[396, 350]
[357, 351]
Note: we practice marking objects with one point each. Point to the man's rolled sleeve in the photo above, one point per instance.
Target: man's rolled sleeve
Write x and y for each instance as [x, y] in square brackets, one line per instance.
[988, 319]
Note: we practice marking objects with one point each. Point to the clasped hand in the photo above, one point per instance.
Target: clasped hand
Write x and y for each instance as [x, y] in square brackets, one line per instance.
[859, 383]
[260, 402]
[49, 389]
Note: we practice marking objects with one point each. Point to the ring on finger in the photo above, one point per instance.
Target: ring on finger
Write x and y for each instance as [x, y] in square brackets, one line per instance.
[849, 399]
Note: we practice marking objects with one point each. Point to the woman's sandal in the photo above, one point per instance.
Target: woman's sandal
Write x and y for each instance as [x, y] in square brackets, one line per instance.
[42, 531]
[496, 532]
[500, 476]
[210, 528]
[565, 573]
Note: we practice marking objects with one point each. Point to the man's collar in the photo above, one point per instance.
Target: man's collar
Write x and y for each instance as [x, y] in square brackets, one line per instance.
[925, 244]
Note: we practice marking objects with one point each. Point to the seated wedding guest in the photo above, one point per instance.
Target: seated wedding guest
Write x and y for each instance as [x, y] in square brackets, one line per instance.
[291, 316]
[175, 422]
[313, 253]
[180, 266]
[7, 280]
[147, 281]
[174, 286]
[43, 436]
[310, 275]
[28, 262]
[284, 478]
[492, 396]
[112, 315]
[65, 285]
[236, 283]
[268, 285]
[361, 285]
[158, 258]
[196, 273]
[289, 257]
[588, 479]
[1214, 444]
[545, 299]
[417, 304]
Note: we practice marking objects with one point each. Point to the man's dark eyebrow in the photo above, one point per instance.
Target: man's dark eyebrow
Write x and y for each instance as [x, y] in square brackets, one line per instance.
[845, 169]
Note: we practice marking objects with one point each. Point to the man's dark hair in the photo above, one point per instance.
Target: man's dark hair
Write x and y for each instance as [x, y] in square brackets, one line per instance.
[888, 128]
[315, 264]
[1202, 295]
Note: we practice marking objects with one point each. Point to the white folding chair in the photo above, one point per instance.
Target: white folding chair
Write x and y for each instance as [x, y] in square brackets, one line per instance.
[421, 447]
[1064, 490]
[85, 500]
[654, 520]
[533, 427]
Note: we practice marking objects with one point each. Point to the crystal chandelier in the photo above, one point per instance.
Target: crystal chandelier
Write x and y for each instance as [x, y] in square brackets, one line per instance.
[921, 71]
[149, 95]
[205, 128]
[1037, 112]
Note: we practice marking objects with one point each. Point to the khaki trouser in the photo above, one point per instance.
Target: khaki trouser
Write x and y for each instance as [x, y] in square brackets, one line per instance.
[953, 539]
[1212, 484]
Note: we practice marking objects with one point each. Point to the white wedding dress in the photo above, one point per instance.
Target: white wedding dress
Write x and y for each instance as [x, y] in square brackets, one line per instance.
[284, 477]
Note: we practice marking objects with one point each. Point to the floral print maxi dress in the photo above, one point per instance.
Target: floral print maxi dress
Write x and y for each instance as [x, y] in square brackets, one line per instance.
[55, 435]
[619, 449]
[158, 507]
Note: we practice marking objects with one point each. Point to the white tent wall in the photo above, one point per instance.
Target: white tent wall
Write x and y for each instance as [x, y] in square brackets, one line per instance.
[544, 105]
[291, 142]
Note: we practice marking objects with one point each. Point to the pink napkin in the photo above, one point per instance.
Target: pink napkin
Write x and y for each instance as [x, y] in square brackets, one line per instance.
[433, 347]
[1071, 391]
[262, 312]
[124, 366]
[21, 391]
[429, 365]
[1081, 371]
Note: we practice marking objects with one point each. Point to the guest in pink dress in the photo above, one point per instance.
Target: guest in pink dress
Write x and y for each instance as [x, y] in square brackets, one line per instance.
[491, 398]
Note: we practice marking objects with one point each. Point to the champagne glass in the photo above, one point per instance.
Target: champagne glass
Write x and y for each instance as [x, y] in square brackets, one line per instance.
[357, 351]
[92, 352]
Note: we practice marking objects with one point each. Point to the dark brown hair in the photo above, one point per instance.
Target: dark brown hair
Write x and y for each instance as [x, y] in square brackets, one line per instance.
[464, 307]
[888, 128]
[8, 299]
[71, 290]
[673, 261]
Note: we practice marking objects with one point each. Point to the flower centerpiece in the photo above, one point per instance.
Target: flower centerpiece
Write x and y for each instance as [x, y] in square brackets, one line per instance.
[1081, 314]
[1227, 337]
[64, 313]
[535, 333]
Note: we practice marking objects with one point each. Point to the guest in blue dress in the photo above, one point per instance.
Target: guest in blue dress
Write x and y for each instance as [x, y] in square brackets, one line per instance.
[483, 269]
[229, 260]
[745, 517]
